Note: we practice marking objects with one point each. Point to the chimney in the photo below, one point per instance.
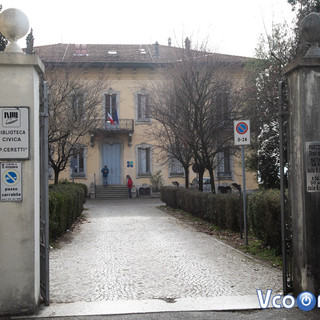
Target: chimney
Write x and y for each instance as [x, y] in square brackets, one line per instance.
[156, 49]
[169, 42]
[187, 43]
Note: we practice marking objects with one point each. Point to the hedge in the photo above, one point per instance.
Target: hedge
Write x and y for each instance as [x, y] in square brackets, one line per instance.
[264, 214]
[65, 206]
[223, 210]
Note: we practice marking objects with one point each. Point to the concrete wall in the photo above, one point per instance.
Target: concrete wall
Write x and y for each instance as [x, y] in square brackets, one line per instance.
[304, 96]
[19, 221]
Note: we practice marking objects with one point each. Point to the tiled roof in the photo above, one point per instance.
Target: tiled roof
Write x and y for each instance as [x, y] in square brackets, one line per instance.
[117, 54]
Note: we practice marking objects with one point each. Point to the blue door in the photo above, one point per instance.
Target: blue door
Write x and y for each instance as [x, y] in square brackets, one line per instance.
[111, 157]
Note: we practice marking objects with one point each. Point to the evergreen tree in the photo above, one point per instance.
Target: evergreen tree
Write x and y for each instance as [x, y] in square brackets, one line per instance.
[273, 52]
[3, 42]
[262, 82]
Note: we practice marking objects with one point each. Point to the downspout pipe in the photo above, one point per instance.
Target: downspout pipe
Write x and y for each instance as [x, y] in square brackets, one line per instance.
[282, 187]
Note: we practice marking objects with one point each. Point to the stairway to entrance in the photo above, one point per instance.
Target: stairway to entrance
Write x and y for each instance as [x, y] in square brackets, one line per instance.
[112, 191]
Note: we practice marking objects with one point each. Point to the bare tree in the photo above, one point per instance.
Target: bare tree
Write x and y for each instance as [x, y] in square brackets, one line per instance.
[74, 111]
[169, 137]
[194, 110]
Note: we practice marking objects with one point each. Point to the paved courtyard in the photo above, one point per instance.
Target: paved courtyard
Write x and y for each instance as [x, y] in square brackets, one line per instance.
[130, 250]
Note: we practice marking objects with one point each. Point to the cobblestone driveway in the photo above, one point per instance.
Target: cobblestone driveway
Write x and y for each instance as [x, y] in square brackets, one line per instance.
[129, 250]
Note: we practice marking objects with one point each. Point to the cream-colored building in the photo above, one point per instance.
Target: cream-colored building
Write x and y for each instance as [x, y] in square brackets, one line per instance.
[125, 146]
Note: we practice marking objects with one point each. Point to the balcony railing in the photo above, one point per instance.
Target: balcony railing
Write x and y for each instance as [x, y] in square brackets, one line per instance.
[123, 125]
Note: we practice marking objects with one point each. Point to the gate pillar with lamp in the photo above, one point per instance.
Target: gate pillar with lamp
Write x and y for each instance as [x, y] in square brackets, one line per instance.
[20, 76]
[303, 77]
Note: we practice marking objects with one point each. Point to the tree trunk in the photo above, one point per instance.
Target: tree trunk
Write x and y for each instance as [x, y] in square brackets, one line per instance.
[213, 188]
[201, 172]
[56, 176]
[186, 176]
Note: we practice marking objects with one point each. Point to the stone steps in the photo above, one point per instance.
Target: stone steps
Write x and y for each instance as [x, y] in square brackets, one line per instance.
[112, 191]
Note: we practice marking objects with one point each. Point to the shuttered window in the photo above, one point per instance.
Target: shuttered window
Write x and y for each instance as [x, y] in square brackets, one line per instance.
[77, 101]
[222, 107]
[144, 158]
[143, 107]
[224, 165]
[78, 163]
[176, 167]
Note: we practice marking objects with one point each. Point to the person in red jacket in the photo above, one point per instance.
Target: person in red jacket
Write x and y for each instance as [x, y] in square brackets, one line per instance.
[129, 185]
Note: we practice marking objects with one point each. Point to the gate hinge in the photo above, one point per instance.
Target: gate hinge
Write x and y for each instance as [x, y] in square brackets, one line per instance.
[44, 114]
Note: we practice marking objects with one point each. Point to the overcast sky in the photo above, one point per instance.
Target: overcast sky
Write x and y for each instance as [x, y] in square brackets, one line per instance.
[231, 26]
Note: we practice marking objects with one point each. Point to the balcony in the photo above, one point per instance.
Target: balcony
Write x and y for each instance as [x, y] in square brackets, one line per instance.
[122, 126]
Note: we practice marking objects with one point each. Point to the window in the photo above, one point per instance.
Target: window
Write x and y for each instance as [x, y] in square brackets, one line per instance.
[222, 107]
[224, 165]
[144, 161]
[142, 107]
[77, 101]
[176, 168]
[112, 52]
[173, 109]
[78, 163]
[111, 105]
[80, 50]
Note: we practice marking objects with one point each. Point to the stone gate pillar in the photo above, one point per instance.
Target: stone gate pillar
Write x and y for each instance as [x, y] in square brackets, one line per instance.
[19, 185]
[303, 77]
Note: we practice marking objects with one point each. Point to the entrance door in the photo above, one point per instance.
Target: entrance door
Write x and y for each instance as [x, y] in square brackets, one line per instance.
[111, 158]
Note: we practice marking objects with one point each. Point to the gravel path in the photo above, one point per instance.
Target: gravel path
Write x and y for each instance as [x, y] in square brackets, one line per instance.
[130, 250]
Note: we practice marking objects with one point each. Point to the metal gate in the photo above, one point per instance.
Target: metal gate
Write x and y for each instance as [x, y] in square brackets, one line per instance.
[286, 224]
[44, 195]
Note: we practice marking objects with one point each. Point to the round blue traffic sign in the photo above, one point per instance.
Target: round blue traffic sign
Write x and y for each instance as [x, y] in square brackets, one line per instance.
[242, 128]
[10, 177]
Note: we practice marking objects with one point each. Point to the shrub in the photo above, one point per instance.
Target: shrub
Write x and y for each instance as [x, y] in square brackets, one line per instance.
[156, 181]
[65, 206]
[264, 214]
[221, 210]
[233, 212]
[168, 196]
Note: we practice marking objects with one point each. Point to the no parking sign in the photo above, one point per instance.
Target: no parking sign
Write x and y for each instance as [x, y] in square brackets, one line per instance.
[241, 132]
[10, 181]
[242, 138]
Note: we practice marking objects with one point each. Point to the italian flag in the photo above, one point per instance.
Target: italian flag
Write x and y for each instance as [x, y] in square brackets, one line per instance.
[110, 118]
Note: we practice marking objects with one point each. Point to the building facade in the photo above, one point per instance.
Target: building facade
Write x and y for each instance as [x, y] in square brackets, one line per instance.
[120, 139]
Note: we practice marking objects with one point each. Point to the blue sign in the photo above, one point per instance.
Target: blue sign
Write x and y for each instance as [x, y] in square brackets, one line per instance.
[11, 177]
[129, 164]
[242, 128]
[11, 184]
[241, 132]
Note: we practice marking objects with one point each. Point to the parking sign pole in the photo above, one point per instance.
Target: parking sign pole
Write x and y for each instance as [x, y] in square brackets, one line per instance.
[244, 198]
[242, 138]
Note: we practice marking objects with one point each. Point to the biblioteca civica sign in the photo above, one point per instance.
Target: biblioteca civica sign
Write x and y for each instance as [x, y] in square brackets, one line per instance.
[14, 133]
